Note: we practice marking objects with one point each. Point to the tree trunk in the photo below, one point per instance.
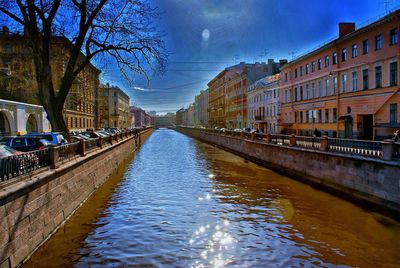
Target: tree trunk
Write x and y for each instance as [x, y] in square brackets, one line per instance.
[53, 108]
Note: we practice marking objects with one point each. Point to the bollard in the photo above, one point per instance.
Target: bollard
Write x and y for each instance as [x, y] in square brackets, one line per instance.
[54, 156]
[387, 150]
[242, 134]
[269, 138]
[324, 143]
[100, 142]
[110, 139]
[81, 147]
[253, 136]
[292, 140]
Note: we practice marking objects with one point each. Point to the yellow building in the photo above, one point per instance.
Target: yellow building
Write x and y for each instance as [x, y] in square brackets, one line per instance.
[114, 107]
[18, 83]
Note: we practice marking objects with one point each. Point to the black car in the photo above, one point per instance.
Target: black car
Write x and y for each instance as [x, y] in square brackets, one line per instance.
[25, 144]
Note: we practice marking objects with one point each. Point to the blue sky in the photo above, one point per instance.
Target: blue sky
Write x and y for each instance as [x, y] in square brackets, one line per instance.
[205, 36]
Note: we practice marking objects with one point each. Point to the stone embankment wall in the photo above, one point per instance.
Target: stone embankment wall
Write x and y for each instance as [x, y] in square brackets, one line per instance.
[371, 182]
[33, 208]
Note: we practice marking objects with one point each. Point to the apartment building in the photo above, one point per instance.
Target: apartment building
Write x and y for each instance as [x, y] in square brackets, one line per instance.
[201, 109]
[228, 92]
[114, 107]
[18, 83]
[348, 87]
[264, 104]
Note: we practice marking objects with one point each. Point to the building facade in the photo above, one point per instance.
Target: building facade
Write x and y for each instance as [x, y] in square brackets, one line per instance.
[114, 107]
[18, 118]
[141, 118]
[201, 109]
[347, 88]
[228, 92]
[17, 79]
[264, 105]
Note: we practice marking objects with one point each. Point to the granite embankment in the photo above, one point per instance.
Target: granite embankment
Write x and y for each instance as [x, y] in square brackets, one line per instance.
[33, 208]
[371, 182]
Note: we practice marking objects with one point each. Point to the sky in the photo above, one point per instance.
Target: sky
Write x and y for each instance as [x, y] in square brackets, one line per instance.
[205, 36]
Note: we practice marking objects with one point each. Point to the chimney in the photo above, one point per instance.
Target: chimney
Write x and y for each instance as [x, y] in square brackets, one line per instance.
[283, 62]
[270, 61]
[346, 28]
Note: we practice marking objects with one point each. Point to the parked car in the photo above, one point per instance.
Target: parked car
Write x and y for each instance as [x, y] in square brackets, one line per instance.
[55, 138]
[237, 130]
[25, 143]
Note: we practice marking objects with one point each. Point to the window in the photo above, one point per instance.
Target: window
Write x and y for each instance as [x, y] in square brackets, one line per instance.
[285, 77]
[326, 61]
[393, 113]
[326, 87]
[295, 73]
[307, 68]
[365, 79]
[393, 73]
[319, 88]
[307, 116]
[344, 54]
[354, 50]
[394, 36]
[295, 94]
[319, 116]
[334, 83]
[378, 76]
[326, 115]
[301, 117]
[301, 93]
[354, 80]
[334, 115]
[313, 90]
[301, 70]
[344, 82]
[319, 64]
[365, 46]
[307, 92]
[334, 58]
[378, 42]
[313, 66]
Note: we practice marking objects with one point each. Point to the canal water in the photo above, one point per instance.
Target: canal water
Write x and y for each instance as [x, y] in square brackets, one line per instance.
[183, 203]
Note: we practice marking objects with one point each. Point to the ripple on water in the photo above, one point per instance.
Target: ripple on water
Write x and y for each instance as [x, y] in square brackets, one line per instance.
[182, 203]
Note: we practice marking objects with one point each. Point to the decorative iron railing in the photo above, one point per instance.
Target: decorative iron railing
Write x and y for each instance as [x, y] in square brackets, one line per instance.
[357, 147]
[20, 164]
[308, 142]
[365, 148]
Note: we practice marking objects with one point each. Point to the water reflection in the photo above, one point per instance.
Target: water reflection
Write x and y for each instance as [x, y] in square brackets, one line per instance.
[182, 203]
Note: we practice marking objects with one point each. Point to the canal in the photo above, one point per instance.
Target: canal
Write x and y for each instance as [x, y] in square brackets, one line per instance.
[182, 203]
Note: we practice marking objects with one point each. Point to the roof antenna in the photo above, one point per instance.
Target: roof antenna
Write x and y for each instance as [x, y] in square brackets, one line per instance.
[386, 3]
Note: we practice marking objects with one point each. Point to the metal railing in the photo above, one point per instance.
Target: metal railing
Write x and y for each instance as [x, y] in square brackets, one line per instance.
[308, 142]
[365, 148]
[280, 139]
[91, 144]
[67, 151]
[357, 147]
[16, 165]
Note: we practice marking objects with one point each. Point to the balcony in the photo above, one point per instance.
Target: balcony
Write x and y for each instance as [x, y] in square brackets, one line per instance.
[259, 118]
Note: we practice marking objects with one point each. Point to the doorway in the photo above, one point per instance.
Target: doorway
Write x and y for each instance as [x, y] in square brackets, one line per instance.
[368, 127]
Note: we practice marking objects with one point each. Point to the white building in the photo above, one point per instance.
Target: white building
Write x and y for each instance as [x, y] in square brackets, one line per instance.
[21, 118]
[263, 104]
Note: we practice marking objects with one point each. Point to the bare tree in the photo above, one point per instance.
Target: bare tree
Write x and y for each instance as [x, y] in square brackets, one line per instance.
[121, 30]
